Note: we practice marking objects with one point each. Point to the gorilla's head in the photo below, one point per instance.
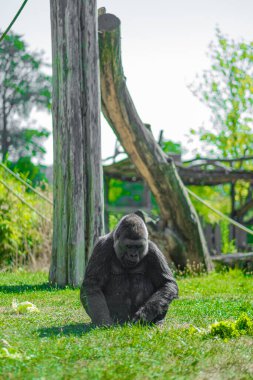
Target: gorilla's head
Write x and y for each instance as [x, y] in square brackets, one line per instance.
[130, 240]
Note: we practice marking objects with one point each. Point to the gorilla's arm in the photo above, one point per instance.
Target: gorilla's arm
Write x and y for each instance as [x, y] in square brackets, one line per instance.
[163, 280]
[96, 275]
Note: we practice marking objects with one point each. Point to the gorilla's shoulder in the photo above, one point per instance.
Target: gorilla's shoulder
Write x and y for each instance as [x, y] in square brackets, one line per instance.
[102, 254]
[105, 240]
[152, 248]
[104, 246]
[154, 252]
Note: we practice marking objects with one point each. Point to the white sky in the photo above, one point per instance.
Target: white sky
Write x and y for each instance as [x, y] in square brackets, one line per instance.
[164, 46]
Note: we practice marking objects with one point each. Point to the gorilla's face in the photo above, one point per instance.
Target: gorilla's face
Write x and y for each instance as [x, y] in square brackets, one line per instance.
[130, 240]
[130, 251]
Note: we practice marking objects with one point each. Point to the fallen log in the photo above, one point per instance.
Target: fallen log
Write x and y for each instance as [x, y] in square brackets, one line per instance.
[235, 260]
[180, 226]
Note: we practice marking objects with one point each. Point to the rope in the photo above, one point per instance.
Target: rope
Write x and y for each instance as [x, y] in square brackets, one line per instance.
[232, 221]
[26, 184]
[23, 201]
[12, 22]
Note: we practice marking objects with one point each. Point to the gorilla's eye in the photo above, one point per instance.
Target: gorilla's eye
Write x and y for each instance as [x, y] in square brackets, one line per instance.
[128, 246]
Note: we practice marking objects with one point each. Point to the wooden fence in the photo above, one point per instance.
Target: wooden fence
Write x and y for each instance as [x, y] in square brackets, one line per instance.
[214, 239]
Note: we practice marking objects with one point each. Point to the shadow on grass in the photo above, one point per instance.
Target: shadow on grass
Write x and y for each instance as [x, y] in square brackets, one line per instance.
[29, 288]
[77, 329]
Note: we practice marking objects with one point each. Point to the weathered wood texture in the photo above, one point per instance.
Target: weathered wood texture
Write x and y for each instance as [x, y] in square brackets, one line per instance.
[78, 205]
[198, 176]
[204, 177]
[214, 238]
[178, 215]
[235, 260]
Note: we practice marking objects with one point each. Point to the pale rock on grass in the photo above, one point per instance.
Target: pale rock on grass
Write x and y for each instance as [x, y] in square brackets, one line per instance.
[24, 307]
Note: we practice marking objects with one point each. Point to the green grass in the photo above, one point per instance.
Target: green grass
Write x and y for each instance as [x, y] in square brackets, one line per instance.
[59, 342]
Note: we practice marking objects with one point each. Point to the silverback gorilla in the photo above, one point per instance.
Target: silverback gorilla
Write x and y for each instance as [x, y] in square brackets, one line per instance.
[127, 278]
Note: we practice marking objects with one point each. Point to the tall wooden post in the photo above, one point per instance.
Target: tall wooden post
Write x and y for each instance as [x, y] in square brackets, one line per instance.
[78, 202]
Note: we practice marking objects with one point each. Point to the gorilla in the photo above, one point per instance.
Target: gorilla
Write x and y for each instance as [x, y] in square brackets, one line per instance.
[127, 277]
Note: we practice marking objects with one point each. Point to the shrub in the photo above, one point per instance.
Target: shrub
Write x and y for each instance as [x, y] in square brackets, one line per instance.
[229, 329]
[24, 236]
[244, 324]
[224, 329]
[228, 245]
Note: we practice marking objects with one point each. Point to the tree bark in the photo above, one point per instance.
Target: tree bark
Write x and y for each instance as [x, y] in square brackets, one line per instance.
[4, 133]
[185, 238]
[78, 204]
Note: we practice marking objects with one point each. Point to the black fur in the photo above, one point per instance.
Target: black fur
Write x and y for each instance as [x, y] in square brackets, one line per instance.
[118, 290]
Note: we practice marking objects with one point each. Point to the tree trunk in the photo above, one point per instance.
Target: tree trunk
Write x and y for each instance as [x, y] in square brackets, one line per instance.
[233, 212]
[78, 204]
[182, 228]
[4, 147]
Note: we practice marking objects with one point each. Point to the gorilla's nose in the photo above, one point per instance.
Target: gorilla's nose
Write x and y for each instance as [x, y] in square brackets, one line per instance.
[133, 255]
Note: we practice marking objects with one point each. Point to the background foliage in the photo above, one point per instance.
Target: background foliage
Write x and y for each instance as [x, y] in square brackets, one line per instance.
[24, 237]
[24, 85]
[226, 88]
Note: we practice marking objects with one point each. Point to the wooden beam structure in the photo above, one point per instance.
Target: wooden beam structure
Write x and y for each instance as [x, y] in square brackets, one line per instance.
[185, 241]
[193, 175]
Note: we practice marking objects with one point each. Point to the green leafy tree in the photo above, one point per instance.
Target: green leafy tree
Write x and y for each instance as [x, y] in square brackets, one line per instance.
[227, 90]
[26, 141]
[23, 86]
[169, 146]
[33, 173]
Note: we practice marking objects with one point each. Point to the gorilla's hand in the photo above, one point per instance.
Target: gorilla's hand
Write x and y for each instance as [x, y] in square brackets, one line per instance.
[140, 316]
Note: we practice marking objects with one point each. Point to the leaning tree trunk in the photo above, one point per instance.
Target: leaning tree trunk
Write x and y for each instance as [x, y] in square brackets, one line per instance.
[181, 227]
[78, 205]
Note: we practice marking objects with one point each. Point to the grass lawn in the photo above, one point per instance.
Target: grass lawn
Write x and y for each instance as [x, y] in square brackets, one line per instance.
[59, 343]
